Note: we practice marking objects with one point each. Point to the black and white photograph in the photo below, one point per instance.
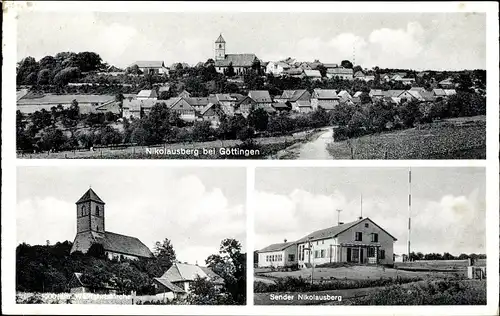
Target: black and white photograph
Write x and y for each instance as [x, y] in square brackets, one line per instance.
[143, 236]
[370, 236]
[250, 85]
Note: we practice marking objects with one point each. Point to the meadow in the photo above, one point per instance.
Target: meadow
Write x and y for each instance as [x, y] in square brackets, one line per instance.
[86, 298]
[458, 138]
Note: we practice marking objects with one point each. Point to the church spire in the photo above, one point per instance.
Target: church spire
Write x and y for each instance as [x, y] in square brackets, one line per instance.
[220, 39]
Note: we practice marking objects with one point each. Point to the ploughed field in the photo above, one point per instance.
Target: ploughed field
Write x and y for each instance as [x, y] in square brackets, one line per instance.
[457, 138]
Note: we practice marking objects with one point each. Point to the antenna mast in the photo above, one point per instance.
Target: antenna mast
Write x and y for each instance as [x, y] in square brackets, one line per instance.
[338, 216]
[361, 210]
[409, 211]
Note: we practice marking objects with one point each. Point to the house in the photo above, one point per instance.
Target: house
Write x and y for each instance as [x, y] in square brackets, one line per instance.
[339, 73]
[325, 99]
[293, 96]
[359, 75]
[357, 94]
[90, 229]
[184, 108]
[446, 83]
[178, 278]
[302, 106]
[280, 106]
[184, 94]
[147, 94]
[277, 68]
[438, 93]
[361, 241]
[111, 106]
[137, 108]
[330, 65]
[209, 113]
[369, 78]
[278, 255]
[240, 62]
[155, 67]
[376, 94]
[198, 103]
[312, 74]
[450, 92]
[244, 104]
[261, 98]
[294, 73]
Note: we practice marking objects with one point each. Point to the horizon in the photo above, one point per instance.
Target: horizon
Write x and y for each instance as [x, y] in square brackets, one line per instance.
[423, 41]
[173, 203]
[447, 215]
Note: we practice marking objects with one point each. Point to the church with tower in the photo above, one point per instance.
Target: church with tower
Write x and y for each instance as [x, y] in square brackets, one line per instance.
[90, 229]
[240, 62]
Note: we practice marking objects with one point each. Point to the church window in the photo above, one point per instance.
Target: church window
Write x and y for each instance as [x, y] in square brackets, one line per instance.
[96, 210]
[220, 45]
[83, 210]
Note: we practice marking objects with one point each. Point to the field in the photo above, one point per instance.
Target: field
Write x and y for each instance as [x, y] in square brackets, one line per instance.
[268, 146]
[420, 283]
[460, 138]
[84, 298]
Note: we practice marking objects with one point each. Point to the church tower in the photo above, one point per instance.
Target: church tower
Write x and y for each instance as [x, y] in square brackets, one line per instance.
[220, 48]
[90, 213]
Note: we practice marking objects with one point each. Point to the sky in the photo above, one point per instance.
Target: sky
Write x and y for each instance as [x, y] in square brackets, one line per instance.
[437, 41]
[196, 208]
[448, 205]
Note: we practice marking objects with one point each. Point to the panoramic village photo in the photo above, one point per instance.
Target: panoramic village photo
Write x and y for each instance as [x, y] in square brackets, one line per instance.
[370, 236]
[163, 85]
[143, 236]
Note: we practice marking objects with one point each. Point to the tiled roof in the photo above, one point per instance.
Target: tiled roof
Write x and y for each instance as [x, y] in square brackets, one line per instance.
[312, 73]
[188, 272]
[339, 71]
[166, 283]
[206, 108]
[304, 104]
[357, 94]
[292, 95]
[439, 92]
[325, 94]
[330, 65]
[136, 105]
[335, 231]
[344, 95]
[124, 244]
[147, 94]
[393, 93]
[238, 60]
[449, 92]
[277, 247]
[90, 195]
[260, 96]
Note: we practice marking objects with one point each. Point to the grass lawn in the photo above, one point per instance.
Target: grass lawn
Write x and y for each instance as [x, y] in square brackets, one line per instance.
[460, 138]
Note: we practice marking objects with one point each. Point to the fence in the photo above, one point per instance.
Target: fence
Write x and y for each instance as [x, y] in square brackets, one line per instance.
[92, 298]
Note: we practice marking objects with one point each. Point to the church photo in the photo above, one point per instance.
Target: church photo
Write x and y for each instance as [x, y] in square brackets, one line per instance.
[131, 235]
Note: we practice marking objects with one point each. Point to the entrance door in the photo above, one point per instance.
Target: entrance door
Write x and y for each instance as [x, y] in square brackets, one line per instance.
[349, 259]
[361, 253]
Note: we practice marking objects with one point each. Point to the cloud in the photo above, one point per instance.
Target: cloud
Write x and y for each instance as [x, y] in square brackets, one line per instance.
[181, 209]
[452, 224]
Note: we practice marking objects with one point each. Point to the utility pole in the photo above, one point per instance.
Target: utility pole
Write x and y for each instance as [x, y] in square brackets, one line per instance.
[409, 211]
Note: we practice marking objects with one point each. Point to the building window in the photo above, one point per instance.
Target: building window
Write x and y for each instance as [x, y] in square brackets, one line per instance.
[322, 253]
[371, 252]
[322, 242]
[359, 236]
[291, 257]
[316, 254]
[220, 45]
[382, 254]
[97, 210]
[374, 237]
[366, 225]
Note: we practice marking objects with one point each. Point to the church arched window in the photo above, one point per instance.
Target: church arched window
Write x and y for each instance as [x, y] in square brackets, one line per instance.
[220, 45]
[97, 210]
[82, 212]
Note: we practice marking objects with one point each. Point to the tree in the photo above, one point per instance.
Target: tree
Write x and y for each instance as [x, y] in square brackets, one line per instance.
[164, 253]
[346, 64]
[67, 75]
[52, 139]
[204, 292]
[44, 77]
[230, 70]
[27, 70]
[202, 131]
[322, 70]
[258, 119]
[88, 61]
[134, 70]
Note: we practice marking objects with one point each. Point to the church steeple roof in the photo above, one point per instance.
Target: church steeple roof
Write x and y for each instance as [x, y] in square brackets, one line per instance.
[90, 195]
[220, 39]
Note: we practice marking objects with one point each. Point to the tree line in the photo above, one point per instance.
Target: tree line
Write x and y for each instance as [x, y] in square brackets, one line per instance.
[49, 268]
[415, 256]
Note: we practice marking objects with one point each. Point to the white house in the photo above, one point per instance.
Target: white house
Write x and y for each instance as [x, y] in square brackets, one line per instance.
[361, 241]
[177, 279]
[147, 94]
[278, 255]
[277, 68]
[324, 98]
[340, 73]
[154, 67]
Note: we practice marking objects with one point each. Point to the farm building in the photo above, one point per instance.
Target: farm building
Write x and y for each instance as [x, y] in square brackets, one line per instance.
[324, 98]
[278, 255]
[177, 279]
[361, 241]
[90, 229]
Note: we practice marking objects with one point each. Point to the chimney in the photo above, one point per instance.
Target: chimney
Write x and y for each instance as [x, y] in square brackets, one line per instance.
[284, 240]
[361, 217]
[340, 223]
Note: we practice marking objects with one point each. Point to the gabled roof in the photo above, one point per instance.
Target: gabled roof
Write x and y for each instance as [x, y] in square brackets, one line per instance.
[206, 108]
[359, 73]
[277, 247]
[220, 39]
[439, 92]
[238, 60]
[184, 93]
[260, 96]
[90, 195]
[325, 94]
[303, 104]
[197, 101]
[312, 73]
[188, 272]
[224, 97]
[357, 94]
[446, 81]
[136, 105]
[339, 71]
[149, 64]
[449, 92]
[335, 231]
[344, 95]
[147, 94]
[124, 244]
[330, 65]
[376, 92]
[292, 95]
[393, 93]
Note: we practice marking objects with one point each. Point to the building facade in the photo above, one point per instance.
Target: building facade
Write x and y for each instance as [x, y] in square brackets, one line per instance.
[241, 63]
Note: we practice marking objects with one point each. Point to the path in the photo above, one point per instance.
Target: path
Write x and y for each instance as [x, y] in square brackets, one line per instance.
[316, 149]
